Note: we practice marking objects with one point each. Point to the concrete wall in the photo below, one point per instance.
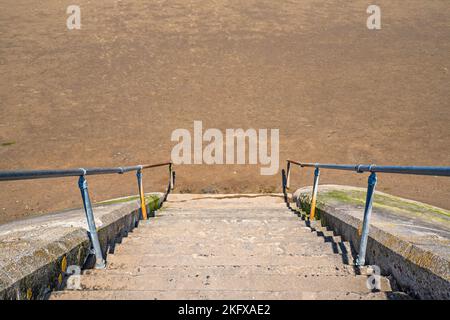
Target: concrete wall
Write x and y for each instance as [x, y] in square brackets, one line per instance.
[421, 273]
[35, 253]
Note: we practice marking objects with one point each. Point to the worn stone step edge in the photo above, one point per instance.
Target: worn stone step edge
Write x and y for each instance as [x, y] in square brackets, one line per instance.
[137, 247]
[263, 282]
[162, 260]
[224, 295]
[233, 269]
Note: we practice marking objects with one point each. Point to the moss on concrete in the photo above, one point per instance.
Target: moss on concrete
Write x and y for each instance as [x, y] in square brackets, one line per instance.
[407, 239]
[382, 201]
[8, 143]
[152, 200]
[118, 200]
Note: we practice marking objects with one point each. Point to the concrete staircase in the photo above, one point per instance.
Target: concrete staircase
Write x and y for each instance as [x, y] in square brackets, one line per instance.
[228, 247]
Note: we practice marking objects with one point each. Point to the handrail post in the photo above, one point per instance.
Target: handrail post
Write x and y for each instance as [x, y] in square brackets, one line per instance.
[361, 260]
[314, 194]
[141, 194]
[288, 175]
[171, 177]
[283, 183]
[99, 261]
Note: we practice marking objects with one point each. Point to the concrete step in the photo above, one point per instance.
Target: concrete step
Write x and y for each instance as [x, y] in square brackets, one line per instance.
[203, 237]
[224, 295]
[239, 214]
[232, 236]
[250, 210]
[205, 281]
[185, 270]
[228, 247]
[328, 236]
[256, 234]
[317, 259]
[256, 209]
[244, 226]
[191, 208]
[138, 246]
[334, 239]
[324, 231]
[210, 201]
[243, 222]
[171, 218]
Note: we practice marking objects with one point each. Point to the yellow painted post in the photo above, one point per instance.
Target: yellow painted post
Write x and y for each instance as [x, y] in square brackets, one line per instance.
[141, 195]
[312, 213]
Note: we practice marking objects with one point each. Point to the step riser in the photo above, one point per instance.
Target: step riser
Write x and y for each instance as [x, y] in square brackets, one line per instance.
[185, 237]
[182, 271]
[225, 230]
[221, 224]
[173, 218]
[135, 247]
[220, 295]
[225, 207]
[237, 239]
[279, 208]
[197, 260]
[227, 282]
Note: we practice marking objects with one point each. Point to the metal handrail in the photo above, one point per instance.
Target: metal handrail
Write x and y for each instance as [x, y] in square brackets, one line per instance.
[372, 181]
[360, 168]
[82, 184]
[40, 174]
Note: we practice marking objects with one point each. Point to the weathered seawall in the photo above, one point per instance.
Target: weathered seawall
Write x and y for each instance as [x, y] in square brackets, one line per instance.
[408, 240]
[35, 253]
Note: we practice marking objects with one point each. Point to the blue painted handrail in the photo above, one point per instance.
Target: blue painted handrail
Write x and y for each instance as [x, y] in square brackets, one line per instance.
[82, 184]
[430, 171]
[359, 168]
